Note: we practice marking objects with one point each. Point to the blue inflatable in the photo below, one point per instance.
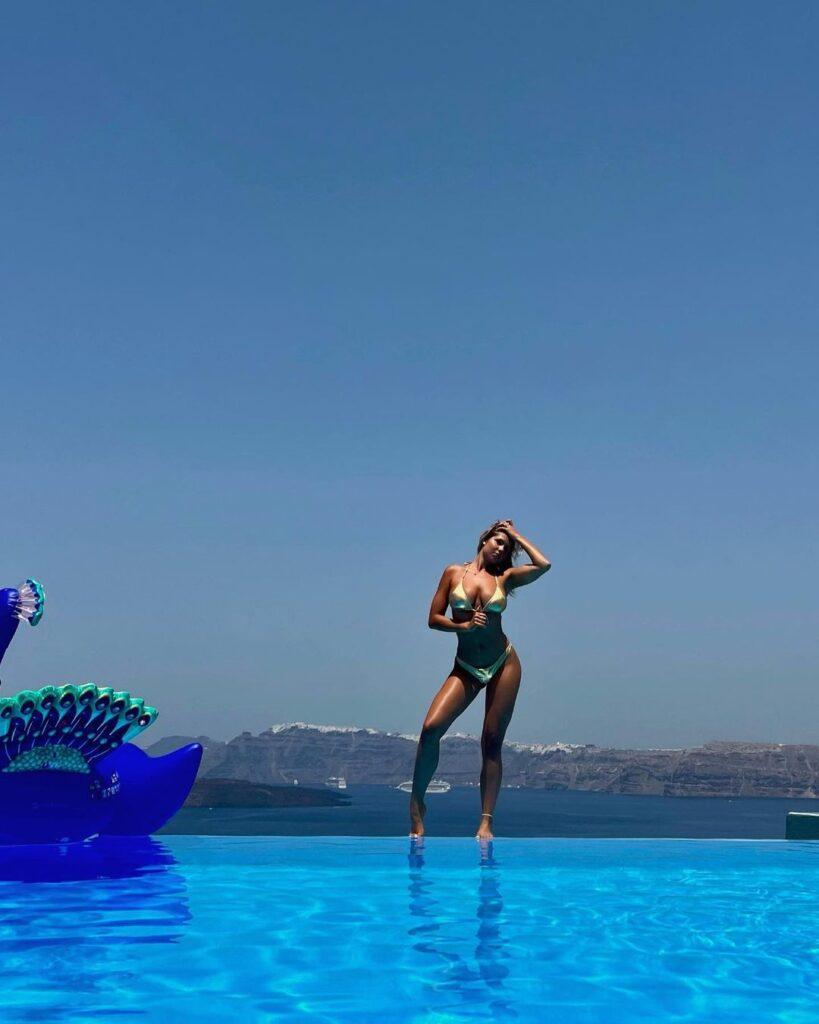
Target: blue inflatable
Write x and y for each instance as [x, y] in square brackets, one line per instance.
[19, 604]
[68, 770]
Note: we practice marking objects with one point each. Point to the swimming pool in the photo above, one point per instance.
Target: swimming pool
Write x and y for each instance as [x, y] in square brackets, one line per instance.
[372, 930]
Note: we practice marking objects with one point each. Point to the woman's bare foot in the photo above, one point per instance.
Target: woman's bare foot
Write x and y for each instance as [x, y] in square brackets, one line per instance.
[417, 811]
[485, 828]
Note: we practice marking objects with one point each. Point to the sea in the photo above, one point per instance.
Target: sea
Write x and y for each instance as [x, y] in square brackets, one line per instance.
[382, 811]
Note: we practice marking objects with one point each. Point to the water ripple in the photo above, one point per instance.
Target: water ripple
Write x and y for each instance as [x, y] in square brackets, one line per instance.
[358, 930]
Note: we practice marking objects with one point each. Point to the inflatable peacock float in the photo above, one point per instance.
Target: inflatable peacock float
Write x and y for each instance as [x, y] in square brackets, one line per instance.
[68, 768]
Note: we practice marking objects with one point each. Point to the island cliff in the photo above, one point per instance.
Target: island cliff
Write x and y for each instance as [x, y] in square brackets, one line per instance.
[311, 754]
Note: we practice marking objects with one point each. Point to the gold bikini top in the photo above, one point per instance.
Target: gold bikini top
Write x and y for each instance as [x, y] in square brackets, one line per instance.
[459, 600]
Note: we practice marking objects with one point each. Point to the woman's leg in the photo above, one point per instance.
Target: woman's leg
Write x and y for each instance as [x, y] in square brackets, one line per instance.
[501, 694]
[454, 697]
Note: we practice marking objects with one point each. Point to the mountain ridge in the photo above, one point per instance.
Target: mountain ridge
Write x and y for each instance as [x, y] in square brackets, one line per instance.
[309, 754]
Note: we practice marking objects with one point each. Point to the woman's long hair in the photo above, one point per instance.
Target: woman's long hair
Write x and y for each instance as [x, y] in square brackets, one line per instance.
[513, 546]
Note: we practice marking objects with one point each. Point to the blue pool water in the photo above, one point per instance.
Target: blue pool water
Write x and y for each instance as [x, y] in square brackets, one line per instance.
[373, 930]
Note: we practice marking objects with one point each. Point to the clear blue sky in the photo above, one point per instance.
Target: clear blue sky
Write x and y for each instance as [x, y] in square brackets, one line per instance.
[298, 297]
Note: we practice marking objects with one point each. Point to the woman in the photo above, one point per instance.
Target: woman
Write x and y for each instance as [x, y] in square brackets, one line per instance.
[476, 592]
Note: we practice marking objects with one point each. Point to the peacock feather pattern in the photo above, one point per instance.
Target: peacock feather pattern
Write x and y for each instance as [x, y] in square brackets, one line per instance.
[30, 602]
[70, 725]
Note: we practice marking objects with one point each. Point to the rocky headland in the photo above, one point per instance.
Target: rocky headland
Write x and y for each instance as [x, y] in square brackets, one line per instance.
[238, 793]
[310, 754]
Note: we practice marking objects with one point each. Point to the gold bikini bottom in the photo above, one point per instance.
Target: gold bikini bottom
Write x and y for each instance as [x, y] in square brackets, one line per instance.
[483, 675]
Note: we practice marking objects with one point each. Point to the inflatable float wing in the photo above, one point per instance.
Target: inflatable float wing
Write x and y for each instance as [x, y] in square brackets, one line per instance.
[69, 772]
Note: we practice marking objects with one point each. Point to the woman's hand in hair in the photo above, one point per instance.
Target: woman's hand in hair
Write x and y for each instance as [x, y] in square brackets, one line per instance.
[509, 527]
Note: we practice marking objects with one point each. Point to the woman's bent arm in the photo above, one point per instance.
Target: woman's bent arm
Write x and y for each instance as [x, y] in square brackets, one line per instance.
[437, 610]
[523, 574]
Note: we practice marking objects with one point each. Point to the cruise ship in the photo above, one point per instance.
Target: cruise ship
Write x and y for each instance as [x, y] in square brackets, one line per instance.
[435, 786]
[336, 782]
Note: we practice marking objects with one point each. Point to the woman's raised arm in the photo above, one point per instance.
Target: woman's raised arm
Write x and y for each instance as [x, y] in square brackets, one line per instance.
[520, 575]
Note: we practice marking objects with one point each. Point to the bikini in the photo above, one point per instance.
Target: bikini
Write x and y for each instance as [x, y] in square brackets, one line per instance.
[459, 601]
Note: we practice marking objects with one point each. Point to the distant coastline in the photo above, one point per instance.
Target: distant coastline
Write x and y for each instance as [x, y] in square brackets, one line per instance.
[311, 754]
[209, 792]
